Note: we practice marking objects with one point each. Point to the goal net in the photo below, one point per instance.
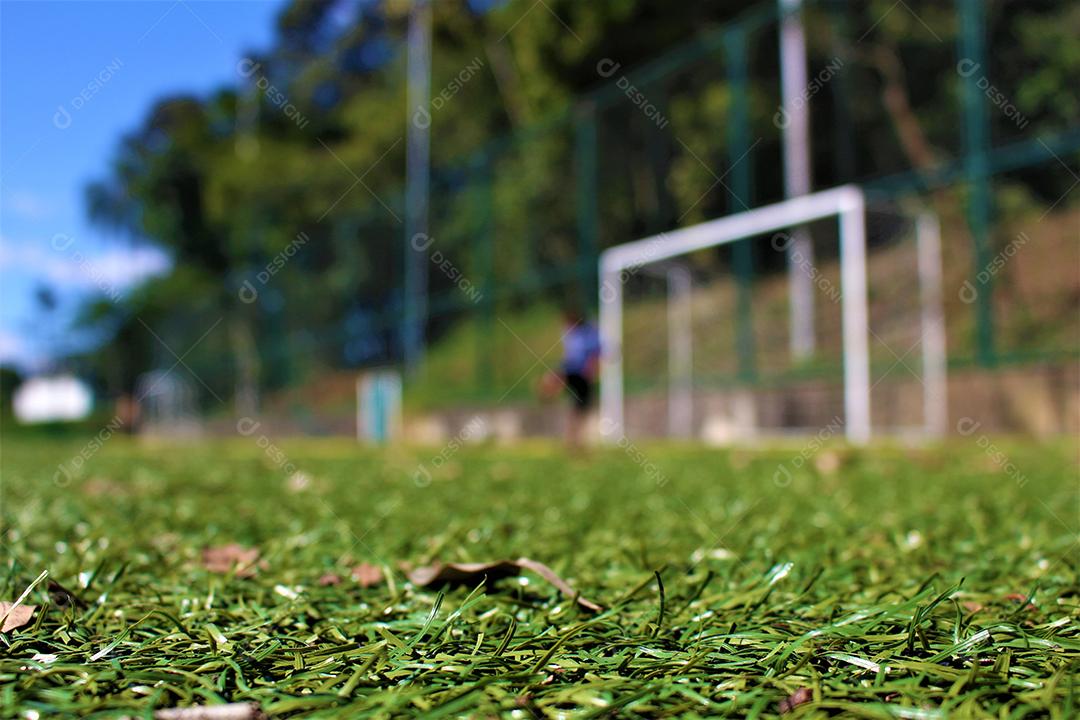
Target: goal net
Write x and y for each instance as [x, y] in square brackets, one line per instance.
[697, 325]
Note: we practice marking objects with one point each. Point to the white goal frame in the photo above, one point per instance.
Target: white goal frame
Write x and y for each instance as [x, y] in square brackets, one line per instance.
[848, 204]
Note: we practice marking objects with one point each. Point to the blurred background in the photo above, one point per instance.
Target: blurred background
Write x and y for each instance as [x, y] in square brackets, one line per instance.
[223, 210]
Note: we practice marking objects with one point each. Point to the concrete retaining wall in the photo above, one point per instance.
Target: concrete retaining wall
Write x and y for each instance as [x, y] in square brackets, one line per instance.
[1040, 401]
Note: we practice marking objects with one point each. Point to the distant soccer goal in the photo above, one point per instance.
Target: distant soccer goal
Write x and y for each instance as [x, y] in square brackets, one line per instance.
[678, 325]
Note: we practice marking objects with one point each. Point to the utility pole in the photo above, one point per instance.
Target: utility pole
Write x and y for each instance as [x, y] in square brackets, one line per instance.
[417, 180]
[794, 120]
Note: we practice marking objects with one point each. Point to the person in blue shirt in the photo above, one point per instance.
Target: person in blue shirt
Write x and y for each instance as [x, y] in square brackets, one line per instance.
[580, 369]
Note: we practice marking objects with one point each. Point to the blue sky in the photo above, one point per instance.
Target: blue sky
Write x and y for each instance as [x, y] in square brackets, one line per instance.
[74, 77]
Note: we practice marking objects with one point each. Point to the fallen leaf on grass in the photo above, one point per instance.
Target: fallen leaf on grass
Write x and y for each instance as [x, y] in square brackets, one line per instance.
[367, 574]
[564, 587]
[329, 579]
[449, 573]
[797, 698]
[62, 597]
[452, 573]
[231, 711]
[15, 617]
[97, 487]
[828, 462]
[224, 558]
[1020, 598]
[165, 542]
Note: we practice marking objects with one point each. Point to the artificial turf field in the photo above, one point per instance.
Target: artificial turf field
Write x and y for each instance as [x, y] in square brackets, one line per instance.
[880, 583]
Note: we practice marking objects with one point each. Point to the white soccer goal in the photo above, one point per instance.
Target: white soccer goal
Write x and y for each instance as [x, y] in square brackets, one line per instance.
[656, 256]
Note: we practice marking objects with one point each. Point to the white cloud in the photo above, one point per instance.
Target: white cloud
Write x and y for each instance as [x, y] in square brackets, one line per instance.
[26, 205]
[18, 351]
[65, 264]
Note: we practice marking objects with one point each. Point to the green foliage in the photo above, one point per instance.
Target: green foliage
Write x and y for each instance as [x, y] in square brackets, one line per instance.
[9, 380]
[310, 138]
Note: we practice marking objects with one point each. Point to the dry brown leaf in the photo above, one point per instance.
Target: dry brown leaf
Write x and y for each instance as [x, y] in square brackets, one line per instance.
[828, 462]
[564, 587]
[797, 698]
[97, 487]
[165, 542]
[62, 597]
[450, 573]
[231, 711]
[15, 617]
[226, 557]
[367, 574]
[1019, 598]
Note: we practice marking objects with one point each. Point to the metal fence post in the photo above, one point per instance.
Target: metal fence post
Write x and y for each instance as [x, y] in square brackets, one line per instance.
[484, 251]
[972, 51]
[417, 184]
[740, 167]
[585, 151]
[844, 160]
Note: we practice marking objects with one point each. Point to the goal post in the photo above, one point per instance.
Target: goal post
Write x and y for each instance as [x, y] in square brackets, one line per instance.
[845, 203]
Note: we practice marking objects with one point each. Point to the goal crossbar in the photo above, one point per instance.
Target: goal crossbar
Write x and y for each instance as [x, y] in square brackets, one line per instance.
[846, 203]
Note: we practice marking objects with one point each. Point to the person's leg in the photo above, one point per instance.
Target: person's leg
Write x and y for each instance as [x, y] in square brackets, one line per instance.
[573, 429]
[578, 389]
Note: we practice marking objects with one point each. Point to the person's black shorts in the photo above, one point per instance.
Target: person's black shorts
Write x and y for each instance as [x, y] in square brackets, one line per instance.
[581, 391]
